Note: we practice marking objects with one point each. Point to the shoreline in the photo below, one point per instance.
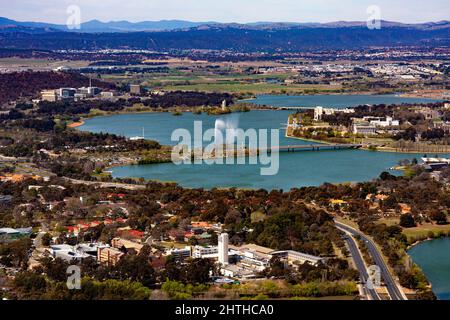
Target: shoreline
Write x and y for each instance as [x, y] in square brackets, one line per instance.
[418, 242]
[378, 149]
[415, 244]
[123, 112]
[76, 124]
[393, 150]
[305, 139]
[417, 95]
[254, 106]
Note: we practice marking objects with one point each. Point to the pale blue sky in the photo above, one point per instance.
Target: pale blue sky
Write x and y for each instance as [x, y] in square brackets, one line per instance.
[227, 10]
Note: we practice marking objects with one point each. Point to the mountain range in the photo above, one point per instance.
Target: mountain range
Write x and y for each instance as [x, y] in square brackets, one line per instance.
[252, 37]
[96, 26]
[101, 27]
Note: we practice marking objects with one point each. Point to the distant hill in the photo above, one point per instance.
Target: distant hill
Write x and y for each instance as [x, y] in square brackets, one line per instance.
[260, 36]
[97, 26]
[108, 27]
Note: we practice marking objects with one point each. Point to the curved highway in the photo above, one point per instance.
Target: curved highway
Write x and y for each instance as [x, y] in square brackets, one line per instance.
[360, 265]
[394, 291]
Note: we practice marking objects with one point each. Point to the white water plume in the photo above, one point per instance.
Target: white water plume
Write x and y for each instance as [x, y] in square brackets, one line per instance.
[225, 130]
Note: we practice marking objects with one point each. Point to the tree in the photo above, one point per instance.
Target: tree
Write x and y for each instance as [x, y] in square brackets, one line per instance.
[172, 271]
[55, 269]
[198, 271]
[384, 176]
[46, 239]
[16, 253]
[407, 221]
[30, 282]
[438, 216]
[426, 295]
[277, 268]
[233, 217]
[136, 268]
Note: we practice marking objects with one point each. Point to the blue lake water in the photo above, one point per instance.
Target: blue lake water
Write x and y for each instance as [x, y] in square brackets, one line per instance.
[295, 169]
[433, 257]
[333, 101]
[159, 126]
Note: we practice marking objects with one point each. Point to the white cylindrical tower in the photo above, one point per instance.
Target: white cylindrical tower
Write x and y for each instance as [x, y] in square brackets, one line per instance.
[223, 249]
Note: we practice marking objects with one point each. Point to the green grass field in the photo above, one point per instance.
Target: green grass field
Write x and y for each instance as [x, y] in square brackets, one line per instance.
[254, 88]
[423, 230]
[232, 83]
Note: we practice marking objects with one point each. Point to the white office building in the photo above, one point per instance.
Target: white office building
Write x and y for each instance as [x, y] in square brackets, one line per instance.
[68, 253]
[321, 111]
[389, 122]
[210, 252]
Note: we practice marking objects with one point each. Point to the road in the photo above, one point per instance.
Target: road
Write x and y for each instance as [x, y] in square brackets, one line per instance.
[393, 289]
[360, 265]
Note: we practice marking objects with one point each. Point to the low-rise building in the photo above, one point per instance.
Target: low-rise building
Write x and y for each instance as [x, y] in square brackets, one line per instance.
[236, 271]
[120, 243]
[338, 202]
[17, 177]
[296, 258]
[444, 125]
[109, 256]
[90, 248]
[135, 89]
[107, 94]
[205, 252]
[201, 224]
[202, 238]
[404, 208]
[10, 234]
[429, 113]
[180, 254]
[49, 95]
[66, 93]
[387, 122]
[319, 112]
[68, 253]
[364, 128]
[69, 93]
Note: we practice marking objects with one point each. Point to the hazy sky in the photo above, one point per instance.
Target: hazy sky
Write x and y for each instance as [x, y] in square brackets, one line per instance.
[226, 10]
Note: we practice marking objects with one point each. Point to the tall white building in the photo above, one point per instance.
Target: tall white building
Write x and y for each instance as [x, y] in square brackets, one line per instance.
[223, 249]
[224, 105]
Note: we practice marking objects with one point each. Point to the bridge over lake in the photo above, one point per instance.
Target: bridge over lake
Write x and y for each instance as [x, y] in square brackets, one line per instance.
[309, 147]
[232, 152]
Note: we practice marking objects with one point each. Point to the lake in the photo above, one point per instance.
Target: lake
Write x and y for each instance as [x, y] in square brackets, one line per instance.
[334, 101]
[433, 257]
[295, 169]
[159, 126]
[305, 168]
